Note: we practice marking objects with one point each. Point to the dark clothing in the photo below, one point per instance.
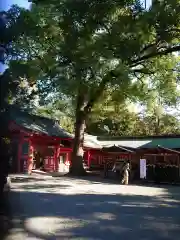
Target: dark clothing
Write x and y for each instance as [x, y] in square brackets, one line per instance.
[118, 175]
[4, 163]
[3, 181]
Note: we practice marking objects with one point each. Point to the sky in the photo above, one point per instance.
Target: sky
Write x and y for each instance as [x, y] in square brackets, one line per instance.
[7, 4]
[148, 3]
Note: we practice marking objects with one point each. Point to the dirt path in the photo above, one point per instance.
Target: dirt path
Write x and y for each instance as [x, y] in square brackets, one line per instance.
[63, 208]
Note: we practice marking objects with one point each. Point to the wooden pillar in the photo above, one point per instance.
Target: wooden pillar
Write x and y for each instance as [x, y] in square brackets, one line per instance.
[30, 158]
[154, 168]
[54, 159]
[179, 165]
[19, 155]
[105, 169]
[56, 155]
[88, 158]
[67, 157]
[68, 162]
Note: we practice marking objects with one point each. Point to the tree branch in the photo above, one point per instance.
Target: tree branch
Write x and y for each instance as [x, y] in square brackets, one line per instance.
[173, 30]
[155, 54]
[139, 78]
[143, 71]
[146, 47]
[94, 97]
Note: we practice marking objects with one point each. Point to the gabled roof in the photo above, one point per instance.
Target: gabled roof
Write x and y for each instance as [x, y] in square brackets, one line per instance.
[144, 143]
[43, 125]
[117, 148]
[149, 137]
[91, 141]
[37, 124]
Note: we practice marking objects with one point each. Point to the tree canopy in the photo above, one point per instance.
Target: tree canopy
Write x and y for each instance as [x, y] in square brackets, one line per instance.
[82, 48]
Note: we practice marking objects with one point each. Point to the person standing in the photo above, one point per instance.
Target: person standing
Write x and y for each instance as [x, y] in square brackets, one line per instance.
[125, 172]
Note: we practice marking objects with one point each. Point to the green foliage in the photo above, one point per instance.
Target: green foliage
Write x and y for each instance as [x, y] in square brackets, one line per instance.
[8, 88]
[122, 121]
[82, 44]
[65, 119]
[82, 48]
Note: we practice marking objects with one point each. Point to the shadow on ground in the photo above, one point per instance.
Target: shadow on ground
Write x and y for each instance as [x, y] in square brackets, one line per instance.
[5, 215]
[51, 216]
[26, 179]
[48, 187]
[112, 179]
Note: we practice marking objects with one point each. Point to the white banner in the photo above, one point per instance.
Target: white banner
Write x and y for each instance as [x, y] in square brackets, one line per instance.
[142, 168]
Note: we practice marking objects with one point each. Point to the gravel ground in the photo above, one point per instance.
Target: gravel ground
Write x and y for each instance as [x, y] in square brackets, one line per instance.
[65, 208]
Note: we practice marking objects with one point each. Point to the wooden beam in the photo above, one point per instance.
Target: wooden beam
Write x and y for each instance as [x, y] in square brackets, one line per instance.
[118, 147]
[125, 149]
[169, 149]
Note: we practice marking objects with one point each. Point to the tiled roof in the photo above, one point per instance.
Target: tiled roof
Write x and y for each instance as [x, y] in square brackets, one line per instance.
[127, 143]
[50, 127]
[37, 124]
[91, 141]
[47, 126]
[170, 142]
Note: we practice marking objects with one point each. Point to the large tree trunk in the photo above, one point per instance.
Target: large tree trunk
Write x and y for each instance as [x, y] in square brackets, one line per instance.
[83, 109]
[157, 126]
[77, 168]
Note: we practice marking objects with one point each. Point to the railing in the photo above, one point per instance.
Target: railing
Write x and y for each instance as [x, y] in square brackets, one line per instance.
[163, 173]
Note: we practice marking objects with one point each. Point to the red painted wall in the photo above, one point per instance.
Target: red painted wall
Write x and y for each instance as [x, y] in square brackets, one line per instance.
[94, 158]
[97, 158]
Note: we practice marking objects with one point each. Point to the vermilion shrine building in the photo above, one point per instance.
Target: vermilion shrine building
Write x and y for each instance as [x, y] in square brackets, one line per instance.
[30, 133]
[162, 155]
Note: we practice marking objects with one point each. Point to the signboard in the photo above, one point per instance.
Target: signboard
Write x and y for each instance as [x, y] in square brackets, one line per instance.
[142, 168]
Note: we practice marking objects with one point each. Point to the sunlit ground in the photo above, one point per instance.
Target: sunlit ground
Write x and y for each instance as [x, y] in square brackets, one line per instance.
[63, 208]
